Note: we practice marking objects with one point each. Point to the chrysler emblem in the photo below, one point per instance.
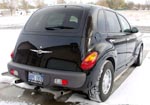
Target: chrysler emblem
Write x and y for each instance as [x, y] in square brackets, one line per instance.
[41, 51]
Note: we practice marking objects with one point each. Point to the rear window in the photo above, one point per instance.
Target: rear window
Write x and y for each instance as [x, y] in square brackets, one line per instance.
[59, 18]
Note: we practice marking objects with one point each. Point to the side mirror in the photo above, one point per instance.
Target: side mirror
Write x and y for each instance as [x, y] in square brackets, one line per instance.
[134, 30]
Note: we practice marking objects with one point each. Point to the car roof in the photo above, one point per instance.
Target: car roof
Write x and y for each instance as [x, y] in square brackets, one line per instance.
[85, 6]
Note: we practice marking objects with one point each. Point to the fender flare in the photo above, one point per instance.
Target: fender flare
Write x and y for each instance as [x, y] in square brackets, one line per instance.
[137, 48]
[92, 77]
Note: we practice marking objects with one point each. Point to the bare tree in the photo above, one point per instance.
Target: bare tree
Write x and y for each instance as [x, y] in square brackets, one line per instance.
[60, 1]
[138, 6]
[40, 3]
[102, 3]
[3, 4]
[24, 5]
[11, 6]
[114, 4]
[147, 4]
[143, 7]
[130, 5]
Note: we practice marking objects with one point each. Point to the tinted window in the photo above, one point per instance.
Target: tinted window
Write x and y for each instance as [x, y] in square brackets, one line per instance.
[125, 25]
[55, 19]
[101, 22]
[112, 21]
[59, 18]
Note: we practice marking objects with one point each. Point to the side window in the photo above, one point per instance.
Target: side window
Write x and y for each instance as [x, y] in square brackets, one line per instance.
[125, 25]
[112, 22]
[101, 22]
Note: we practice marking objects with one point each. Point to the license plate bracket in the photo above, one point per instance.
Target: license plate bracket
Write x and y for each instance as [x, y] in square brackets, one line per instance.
[35, 77]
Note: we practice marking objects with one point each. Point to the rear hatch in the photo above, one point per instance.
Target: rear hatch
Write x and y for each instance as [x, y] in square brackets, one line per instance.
[52, 38]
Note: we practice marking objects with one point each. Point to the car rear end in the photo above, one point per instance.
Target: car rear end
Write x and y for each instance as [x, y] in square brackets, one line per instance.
[50, 48]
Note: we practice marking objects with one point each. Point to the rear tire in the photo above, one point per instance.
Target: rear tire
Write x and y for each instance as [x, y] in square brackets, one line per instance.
[103, 87]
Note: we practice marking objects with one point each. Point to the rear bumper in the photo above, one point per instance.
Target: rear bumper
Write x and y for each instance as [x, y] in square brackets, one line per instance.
[75, 79]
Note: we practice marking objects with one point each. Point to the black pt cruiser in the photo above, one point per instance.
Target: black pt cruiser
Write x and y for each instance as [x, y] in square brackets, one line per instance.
[76, 47]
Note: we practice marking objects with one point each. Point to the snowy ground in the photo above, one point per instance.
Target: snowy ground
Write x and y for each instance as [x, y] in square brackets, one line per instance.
[136, 88]
[13, 21]
[7, 42]
[137, 17]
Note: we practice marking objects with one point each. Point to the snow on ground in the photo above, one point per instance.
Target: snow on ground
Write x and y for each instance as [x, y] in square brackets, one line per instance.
[7, 44]
[136, 88]
[146, 41]
[13, 103]
[13, 21]
[137, 17]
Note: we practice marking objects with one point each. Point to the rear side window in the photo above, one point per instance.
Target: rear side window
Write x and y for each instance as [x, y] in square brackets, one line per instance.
[101, 22]
[112, 22]
[56, 19]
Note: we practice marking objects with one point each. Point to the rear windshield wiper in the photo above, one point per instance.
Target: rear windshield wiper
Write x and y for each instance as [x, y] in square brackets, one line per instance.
[58, 27]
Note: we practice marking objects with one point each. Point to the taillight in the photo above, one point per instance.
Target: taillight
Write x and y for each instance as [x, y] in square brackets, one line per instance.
[89, 61]
[63, 82]
[12, 55]
[14, 72]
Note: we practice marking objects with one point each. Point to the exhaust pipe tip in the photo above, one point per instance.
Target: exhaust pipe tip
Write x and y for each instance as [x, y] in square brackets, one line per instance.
[18, 81]
[62, 93]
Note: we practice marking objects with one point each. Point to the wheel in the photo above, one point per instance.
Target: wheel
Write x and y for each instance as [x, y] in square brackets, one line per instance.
[103, 87]
[139, 60]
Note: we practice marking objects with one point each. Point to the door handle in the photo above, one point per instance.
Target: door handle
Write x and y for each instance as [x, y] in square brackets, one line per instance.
[128, 39]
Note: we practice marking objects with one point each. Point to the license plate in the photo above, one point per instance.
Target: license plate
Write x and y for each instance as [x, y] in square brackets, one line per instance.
[35, 77]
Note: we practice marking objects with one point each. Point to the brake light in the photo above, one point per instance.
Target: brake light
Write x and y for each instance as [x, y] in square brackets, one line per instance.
[64, 82]
[89, 61]
[12, 55]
